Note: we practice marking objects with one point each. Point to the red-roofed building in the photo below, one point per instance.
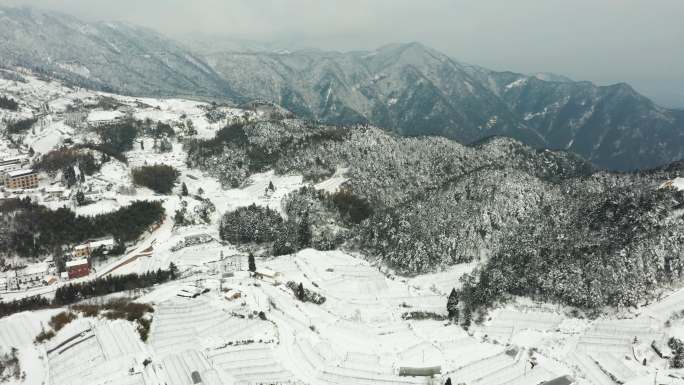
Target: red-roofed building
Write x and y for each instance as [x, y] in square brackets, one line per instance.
[78, 268]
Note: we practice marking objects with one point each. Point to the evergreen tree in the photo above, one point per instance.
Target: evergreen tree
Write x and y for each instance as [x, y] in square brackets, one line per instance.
[184, 189]
[80, 198]
[448, 381]
[69, 176]
[173, 270]
[179, 217]
[251, 263]
[142, 144]
[31, 152]
[301, 295]
[452, 305]
[165, 145]
[304, 232]
[467, 318]
[271, 187]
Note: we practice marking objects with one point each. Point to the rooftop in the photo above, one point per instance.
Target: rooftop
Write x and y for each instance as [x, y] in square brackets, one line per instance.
[267, 272]
[34, 268]
[77, 262]
[95, 243]
[14, 174]
[12, 160]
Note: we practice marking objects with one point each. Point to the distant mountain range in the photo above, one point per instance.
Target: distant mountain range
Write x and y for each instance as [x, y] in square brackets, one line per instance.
[407, 88]
[116, 57]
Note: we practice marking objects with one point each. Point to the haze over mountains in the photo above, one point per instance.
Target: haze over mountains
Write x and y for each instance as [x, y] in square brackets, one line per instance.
[407, 88]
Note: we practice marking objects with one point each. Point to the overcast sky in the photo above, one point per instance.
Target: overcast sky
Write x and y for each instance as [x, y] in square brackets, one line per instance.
[606, 41]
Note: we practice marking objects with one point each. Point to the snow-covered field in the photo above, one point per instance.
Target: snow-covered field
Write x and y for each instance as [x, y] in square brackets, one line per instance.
[357, 336]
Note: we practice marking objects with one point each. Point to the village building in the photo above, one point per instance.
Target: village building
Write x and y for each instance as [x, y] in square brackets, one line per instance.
[57, 192]
[86, 249]
[268, 275]
[8, 165]
[78, 268]
[232, 295]
[32, 273]
[21, 179]
[30, 276]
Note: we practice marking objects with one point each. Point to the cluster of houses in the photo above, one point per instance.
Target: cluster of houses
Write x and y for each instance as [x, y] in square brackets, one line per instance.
[43, 273]
[15, 175]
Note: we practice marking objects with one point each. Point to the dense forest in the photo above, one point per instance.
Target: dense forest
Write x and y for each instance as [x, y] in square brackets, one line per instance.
[31, 230]
[20, 126]
[546, 222]
[8, 104]
[159, 178]
[118, 137]
[63, 158]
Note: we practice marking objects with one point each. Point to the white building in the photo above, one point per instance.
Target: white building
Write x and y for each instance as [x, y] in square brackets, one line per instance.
[268, 275]
[85, 249]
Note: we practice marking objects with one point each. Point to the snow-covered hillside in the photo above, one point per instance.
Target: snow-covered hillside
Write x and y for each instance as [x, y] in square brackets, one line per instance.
[222, 324]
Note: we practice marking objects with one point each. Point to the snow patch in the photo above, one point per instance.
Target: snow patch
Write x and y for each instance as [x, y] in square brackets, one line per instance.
[101, 115]
[518, 83]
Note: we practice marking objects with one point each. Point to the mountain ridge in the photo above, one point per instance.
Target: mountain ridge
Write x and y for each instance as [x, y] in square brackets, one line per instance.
[407, 88]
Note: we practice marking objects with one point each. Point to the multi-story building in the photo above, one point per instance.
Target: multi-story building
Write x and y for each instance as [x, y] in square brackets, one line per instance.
[86, 249]
[8, 165]
[22, 179]
[78, 268]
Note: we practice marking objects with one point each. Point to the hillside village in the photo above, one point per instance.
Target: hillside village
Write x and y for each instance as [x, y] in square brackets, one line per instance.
[191, 307]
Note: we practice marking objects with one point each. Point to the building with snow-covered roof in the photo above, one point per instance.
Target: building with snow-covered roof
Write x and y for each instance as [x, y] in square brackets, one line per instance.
[58, 192]
[78, 268]
[30, 276]
[8, 165]
[21, 179]
[87, 248]
[268, 275]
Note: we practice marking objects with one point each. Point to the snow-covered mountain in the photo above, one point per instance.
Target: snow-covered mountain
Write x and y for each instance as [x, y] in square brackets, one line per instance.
[406, 88]
[414, 90]
[104, 55]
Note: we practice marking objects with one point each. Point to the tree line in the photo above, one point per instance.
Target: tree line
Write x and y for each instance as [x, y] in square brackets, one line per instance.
[32, 230]
[72, 293]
